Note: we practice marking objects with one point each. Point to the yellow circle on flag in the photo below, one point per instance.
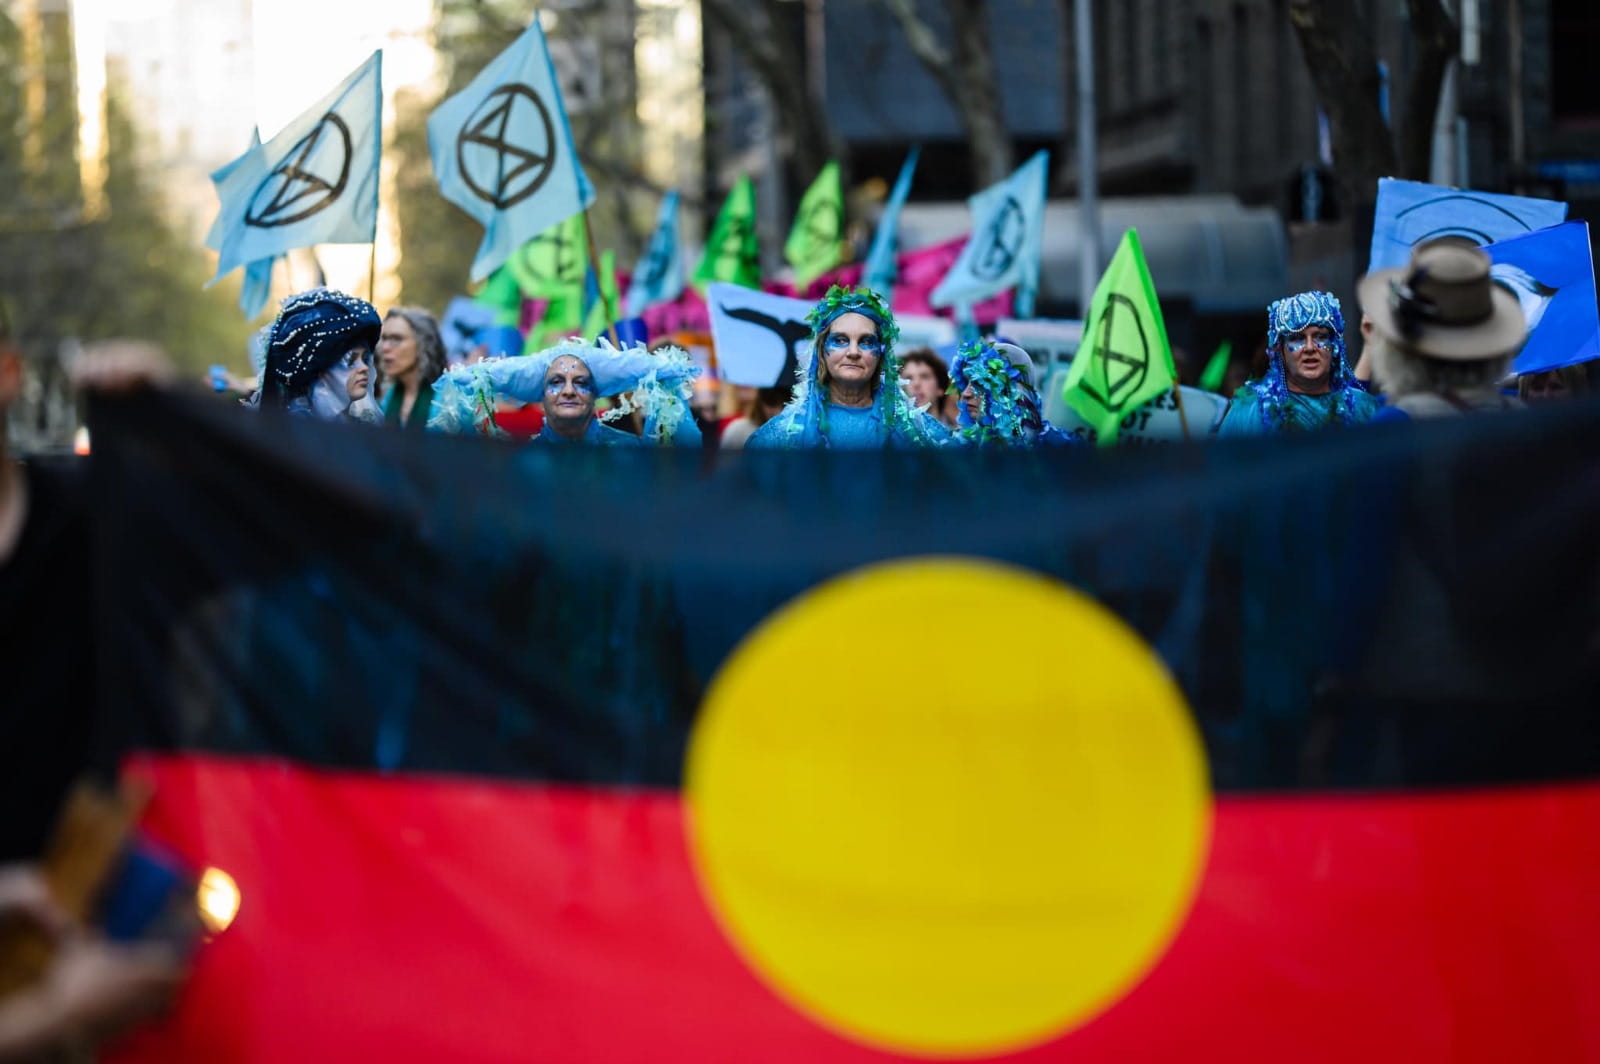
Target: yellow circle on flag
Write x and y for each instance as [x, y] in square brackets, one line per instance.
[947, 807]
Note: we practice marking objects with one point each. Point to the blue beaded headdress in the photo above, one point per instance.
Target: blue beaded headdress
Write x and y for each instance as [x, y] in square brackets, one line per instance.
[313, 330]
[1291, 315]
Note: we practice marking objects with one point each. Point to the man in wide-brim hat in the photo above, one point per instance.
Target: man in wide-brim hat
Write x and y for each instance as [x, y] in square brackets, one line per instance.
[1444, 332]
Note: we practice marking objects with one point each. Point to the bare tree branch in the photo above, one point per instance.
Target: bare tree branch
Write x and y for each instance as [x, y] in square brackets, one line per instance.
[760, 40]
[1344, 68]
[966, 73]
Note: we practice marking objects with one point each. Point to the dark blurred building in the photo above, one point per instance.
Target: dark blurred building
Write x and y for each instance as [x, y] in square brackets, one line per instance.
[1195, 98]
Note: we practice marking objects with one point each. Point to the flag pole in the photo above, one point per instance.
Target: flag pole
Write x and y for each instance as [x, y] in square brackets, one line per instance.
[599, 282]
[1183, 418]
[372, 275]
[1088, 164]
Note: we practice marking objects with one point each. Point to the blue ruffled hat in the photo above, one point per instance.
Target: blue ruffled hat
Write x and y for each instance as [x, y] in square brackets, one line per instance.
[659, 383]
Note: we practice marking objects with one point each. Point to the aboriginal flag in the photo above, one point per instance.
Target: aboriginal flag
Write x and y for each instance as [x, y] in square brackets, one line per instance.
[1277, 750]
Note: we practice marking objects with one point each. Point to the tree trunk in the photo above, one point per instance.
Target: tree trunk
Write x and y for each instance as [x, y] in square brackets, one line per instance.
[1344, 68]
[757, 33]
[1436, 39]
[968, 78]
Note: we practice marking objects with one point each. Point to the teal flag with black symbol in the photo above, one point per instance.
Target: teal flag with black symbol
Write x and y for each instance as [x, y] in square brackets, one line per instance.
[1006, 243]
[658, 278]
[316, 182]
[257, 288]
[503, 151]
[880, 272]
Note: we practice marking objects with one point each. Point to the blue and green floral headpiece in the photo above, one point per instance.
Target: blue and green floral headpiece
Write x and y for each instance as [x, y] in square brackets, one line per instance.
[864, 301]
[1010, 406]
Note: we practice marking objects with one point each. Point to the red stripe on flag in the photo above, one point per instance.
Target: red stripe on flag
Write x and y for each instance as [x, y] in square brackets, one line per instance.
[419, 918]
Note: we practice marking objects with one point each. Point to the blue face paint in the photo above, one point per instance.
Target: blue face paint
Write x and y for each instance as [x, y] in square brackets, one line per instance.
[869, 345]
[1296, 344]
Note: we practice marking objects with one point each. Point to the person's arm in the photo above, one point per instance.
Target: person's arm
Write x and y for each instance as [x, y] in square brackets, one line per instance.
[92, 989]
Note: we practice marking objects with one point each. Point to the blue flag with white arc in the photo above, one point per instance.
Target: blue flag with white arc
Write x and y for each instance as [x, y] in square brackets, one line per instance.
[316, 182]
[503, 151]
[1409, 212]
[659, 276]
[1006, 243]
[879, 272]
[1551, 272]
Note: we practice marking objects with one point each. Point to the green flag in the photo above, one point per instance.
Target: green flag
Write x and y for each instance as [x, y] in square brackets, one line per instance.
[1216, 370]
[603, 312]
[1124, 360]
[563, 317]
[731, 251]
[816, 243]
[551, 264]
[502, 293]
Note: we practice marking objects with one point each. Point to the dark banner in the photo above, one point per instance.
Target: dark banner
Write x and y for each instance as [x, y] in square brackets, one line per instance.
[582, 754]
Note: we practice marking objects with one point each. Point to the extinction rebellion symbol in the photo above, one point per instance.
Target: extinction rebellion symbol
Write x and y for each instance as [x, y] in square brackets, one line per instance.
[497, 168]
[294, 191]
[1004, 242]
[1124, 371]
[820, 229]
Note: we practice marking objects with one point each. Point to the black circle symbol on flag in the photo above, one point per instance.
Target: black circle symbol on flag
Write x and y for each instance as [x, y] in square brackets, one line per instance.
[497, 170]
[560, 264]
[736, 246]
[657, 261]
[294, 191]
[1123, 368]
[820, 229]
[1002, 242]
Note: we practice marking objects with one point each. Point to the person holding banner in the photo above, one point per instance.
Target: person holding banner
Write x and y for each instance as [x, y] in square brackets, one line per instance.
[567, 380]
[318, 360]
[411, 355]
[1308, 384]
[1444, 333]
[999, 406]
[851, 396]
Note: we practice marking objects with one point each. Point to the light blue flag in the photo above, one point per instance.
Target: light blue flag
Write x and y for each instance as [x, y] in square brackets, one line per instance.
[503, 152]
[659, 276]
[314, 183]
[1006, 243]
[1409, 212]
[879, 273]
[257, 288]
[1551, 272]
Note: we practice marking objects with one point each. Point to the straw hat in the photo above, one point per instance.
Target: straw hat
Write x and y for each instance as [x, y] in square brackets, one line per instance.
[1444, 305]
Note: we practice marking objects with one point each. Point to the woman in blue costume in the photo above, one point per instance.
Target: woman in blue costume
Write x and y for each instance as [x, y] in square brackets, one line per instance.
[999, 406]
[567, 380]
[850, 395]
[1308, 383]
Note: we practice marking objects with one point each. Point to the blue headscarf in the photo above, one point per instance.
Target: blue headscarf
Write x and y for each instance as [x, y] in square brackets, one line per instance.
[1293, 314]
[660, 384]
[804, 421]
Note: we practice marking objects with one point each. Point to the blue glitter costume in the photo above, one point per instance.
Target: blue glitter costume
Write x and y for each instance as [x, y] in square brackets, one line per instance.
[1267, 406]
[1009, 404]
[810, 420]
[658, 383]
